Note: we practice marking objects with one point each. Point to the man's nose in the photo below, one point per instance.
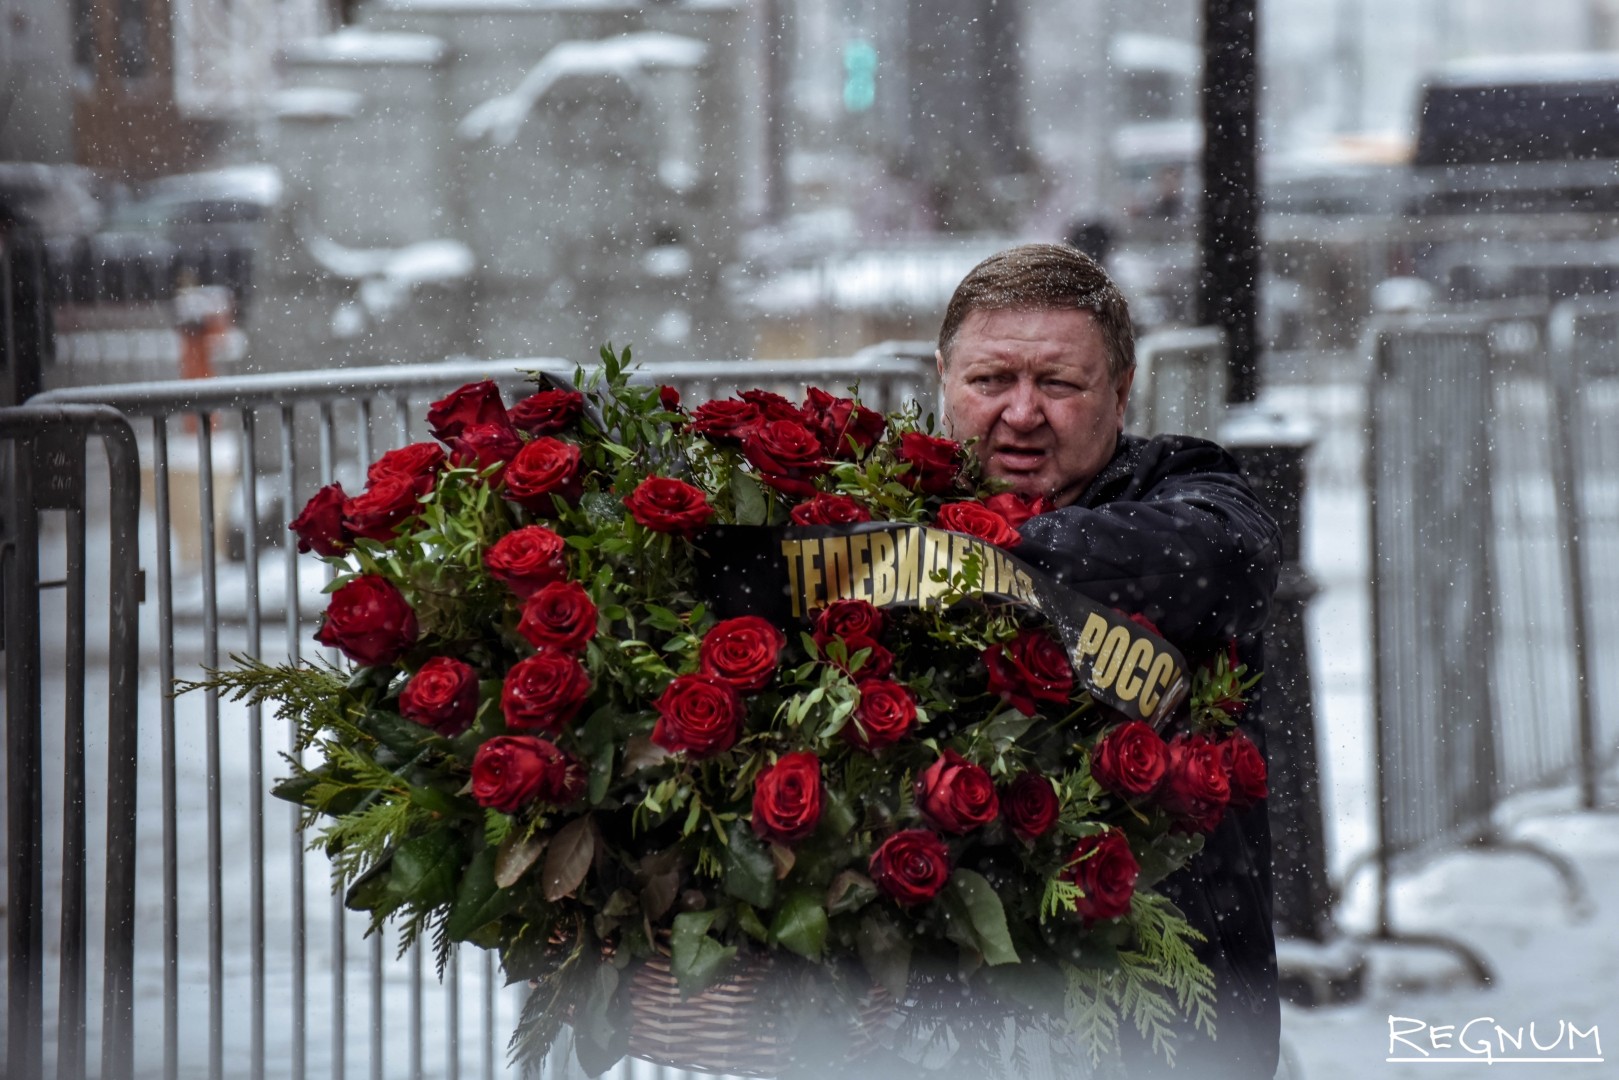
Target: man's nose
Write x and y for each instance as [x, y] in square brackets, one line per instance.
[1024, 412]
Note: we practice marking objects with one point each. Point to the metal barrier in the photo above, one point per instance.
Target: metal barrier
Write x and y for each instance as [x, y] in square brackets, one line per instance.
[240, 941]
[46, 471]
[1180, 383]
[1474, 647]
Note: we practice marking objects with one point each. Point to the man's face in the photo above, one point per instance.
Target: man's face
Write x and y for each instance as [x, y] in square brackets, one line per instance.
[1032, 386]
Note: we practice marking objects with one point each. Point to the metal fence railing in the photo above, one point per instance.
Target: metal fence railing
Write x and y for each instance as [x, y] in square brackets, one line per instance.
[64, 771]
[244, 963]
[1180, 383]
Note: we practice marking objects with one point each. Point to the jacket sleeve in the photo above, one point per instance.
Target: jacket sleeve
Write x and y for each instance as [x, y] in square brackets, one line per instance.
[1186, 544]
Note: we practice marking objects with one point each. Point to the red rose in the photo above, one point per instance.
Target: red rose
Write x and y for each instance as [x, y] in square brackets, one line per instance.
[474, 403]
[976, 519]
[547, 412]
[544, 691]
[419, 462]
[669, 506]
[1017, 509]
[934, 462]
[773, 406]
[319, 525]
[878, 664]
[787, 799]
[543, 468]
[442, 695]
[787, 455]
[956, 795]
[669, 398]
[1105, 869]
[743, 652]
[726, 421]
[857, 623]
[377, 512]
[1142, 621]
[483, 446]
[525, 559]
[1245, 769]
[559, 614]
[698, 714]
[1032, 669]
[1130, 760]
[1196, 786]
[885, 715]
[910, 867]
[824, 509]
[509, 771]
[847, 430]
[1029, 805]
[369, 620]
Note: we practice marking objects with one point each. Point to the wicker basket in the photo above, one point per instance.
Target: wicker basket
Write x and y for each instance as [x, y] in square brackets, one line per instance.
[729, 1028]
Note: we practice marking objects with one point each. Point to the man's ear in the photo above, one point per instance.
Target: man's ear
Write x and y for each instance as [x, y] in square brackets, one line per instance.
[1123, 391]
[938, 357]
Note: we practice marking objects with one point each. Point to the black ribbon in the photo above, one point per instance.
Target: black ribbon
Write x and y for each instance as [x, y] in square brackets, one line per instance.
[786, 574]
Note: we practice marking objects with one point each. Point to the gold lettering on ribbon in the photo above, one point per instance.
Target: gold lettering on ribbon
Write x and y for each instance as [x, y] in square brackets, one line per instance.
[1090, 637]
[1129, 684]
[908, 557]
[814, 583]
[1158, 680]
[836, 550]
[884, 569]
[1110, 658]
[792, 551]
[860, 567]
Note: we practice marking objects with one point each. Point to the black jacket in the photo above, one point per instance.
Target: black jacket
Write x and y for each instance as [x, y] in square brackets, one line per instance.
[1170, 529]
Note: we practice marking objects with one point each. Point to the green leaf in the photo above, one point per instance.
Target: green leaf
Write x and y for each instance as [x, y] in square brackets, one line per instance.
[424, 870]
[370, 890]
[750, 872]
[1166, 855]
[748, 920]
[695, 958]
[885, 950]
[801, 925]
[568, 858]
[479, 901]
[988, 917]
[849, 891]
[517, 853]
[598, 1043]
[752, 504]
[838, 818]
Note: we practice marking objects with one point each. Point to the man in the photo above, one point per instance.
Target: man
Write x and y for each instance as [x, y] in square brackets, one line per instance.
[1036, 358]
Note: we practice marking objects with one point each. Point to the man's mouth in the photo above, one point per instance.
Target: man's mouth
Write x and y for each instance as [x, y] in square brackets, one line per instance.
[1019, 458]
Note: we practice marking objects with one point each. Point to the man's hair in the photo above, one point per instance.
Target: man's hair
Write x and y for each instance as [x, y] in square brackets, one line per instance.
[1045, 277]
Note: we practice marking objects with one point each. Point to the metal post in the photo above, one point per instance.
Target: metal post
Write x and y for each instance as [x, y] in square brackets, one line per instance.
[1228, 230]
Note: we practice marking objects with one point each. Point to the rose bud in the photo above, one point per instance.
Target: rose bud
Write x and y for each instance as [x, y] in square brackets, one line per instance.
[378, 511]
[698, 715]
[1029, 805]
[419, 462]
[526, 559]
[369, 620]
[824, 509]
[786, 454]
[1032, 668]
[1105, 869]
[669, 506]
[773, 406]
[442, 695]
[885, 715]
[910, 867]
[858, 623]
[544, 468]
[547, 412]
[1017, 509]
[726, 421]
[847, 430]
[787, 799]
[743, 652]
[669, 399]
[1196, 786]
[474, 403]
[956, 795]
[1130, 760]
[976, 519]
[510, 771]
[934, 462]
[1245, 768]
[559, 614]
[319, 526]
[481, 447]
[1142, 621]
[544, 691]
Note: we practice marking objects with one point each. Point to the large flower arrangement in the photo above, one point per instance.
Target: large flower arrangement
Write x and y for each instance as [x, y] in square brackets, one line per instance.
[549, 746]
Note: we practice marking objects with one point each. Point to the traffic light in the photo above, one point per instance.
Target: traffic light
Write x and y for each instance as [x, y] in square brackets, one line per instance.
[859, 75]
